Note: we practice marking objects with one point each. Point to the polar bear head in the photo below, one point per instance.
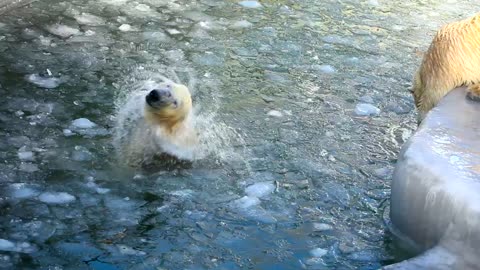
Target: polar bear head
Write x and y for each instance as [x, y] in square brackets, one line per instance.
[168, 105]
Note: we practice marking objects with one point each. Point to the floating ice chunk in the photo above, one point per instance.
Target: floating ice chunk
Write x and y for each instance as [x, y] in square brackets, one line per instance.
[6, 245]
[250, 4]
[93, 132]
[337, 192]
[352, 60]
[366, 99]
[28, 167]
[175, 55]
[89, 19]
[383, 172]
[89, 33]
[276, 77]
[398, 28]
[156, 36]
[209, 25]
[143, 7]
[208, 59]
[364, 109]
[260, 190]
[84, 251]
[56, 197]
[83, 123]
[24, 193]
[20, 191]
[125, 27]
[241, 24]
[246, 202]
[81, 154]
[320, 227]
[250, 207]
[365, 256]
[114, 2]
[26, 155]
[63, 31]
[327, 69]
[184, 193]
[99, 190]
[318, 252]
[123, 210]
[126, 250]
[274, 113]
[197, 16]
[44, 81]
[67, 132]
[399, 108]
[172, 31]
[45, 41]
[34, 230]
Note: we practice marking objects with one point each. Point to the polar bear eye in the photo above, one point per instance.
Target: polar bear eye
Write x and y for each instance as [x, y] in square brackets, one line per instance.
[175, 104]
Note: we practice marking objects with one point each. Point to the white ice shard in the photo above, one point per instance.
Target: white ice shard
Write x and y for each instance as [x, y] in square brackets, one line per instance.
[83, 123]
[56, 197]
[260, 190]
[364, 109]
[89, 19]
[63, 31]
[44, 81]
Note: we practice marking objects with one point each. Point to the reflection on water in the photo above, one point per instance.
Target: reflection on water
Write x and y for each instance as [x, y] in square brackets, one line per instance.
[305, 103]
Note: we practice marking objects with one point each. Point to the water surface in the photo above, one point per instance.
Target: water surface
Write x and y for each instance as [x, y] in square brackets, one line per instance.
[300, 168]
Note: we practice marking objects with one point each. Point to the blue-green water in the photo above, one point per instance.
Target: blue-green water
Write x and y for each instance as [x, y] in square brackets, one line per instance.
[296, 178]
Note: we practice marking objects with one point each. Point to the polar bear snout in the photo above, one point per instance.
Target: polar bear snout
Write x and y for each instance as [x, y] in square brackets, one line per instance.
[159, 98]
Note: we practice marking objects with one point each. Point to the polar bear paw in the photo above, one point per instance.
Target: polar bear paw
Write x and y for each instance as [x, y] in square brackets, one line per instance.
[473, 92]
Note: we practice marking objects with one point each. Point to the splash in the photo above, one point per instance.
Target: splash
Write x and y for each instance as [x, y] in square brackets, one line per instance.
[136, 143]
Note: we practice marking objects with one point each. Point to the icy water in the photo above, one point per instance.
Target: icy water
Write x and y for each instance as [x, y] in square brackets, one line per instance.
[304, 104]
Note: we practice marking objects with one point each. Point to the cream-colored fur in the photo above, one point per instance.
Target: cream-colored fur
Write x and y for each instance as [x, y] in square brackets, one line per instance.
[165, 132]
[452, 60]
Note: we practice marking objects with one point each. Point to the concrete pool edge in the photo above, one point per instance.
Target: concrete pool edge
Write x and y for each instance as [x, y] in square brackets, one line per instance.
[434, 201]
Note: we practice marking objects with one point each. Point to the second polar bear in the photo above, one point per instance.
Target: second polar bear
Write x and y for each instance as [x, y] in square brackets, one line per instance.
[160, 128]
[452, 60]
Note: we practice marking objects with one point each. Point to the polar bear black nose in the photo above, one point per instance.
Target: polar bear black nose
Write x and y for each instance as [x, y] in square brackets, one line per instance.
[153, 95]
[157, 94]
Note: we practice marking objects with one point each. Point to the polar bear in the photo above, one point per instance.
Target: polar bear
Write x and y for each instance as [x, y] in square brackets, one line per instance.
[156, 124]
[451, 61]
